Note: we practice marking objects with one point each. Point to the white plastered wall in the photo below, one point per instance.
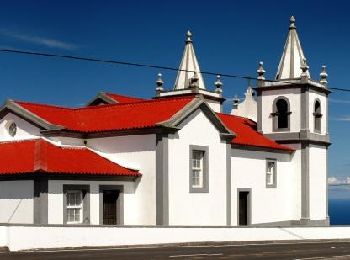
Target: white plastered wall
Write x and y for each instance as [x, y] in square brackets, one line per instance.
[268, 98]
[25, 130]
[68, 141]
[55, 200]
[137, 152]
[187, 208]
[214, 105]
[318, 182]
[17, 202]
[267, 204]
[323, 99]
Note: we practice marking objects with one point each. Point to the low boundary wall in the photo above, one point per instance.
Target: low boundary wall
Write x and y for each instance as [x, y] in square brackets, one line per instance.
[21, 237]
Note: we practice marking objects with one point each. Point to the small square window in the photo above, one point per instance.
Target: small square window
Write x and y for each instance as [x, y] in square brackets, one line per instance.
[271, 173]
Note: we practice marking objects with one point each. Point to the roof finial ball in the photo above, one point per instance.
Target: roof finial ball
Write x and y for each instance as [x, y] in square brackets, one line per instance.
[188, 36]
[261, 73]
[323, 76]
[292, 23]
[159, 84]
[218, 84]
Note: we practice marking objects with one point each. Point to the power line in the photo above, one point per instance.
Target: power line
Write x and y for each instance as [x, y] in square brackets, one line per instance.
[118, 62]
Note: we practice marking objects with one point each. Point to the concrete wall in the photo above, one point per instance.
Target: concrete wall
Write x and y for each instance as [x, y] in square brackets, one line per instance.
[187, 208]
[268, 98]
[267, 204]
[137, 152]
[16, 202]
[25, 130]
[60, 237]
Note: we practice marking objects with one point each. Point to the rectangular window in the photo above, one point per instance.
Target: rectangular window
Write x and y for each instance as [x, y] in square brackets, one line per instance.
[271, 173]
[74, 207]
[198, 169]
[76, 204]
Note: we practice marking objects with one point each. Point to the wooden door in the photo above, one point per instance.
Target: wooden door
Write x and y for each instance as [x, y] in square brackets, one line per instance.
[110, 198]
[243, 208]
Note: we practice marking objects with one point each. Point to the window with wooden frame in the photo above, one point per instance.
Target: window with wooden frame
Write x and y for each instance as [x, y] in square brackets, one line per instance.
[198, 169]
[74, 207]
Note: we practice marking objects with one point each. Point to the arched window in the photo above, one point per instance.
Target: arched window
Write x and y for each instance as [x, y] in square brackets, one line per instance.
[317, 115]
[281, 114]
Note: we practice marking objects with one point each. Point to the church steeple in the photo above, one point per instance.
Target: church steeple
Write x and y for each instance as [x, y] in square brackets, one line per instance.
[293, 58]
[189, 67]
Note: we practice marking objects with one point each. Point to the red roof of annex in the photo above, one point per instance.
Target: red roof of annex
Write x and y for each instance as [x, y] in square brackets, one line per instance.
[40, 156]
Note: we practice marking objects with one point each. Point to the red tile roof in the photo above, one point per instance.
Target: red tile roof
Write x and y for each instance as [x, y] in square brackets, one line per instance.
[246, 133]
[124, 99]
[37, 155]
[138, 115]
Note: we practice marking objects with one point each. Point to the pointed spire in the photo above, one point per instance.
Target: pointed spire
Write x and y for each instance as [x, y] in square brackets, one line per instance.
[292, 57]
[159, 84]
[323, 76]
[189, 67]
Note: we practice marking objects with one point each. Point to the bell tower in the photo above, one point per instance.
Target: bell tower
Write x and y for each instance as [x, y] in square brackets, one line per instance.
[293, 110]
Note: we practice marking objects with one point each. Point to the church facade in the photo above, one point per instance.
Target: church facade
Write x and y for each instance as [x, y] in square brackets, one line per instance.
[176, 159]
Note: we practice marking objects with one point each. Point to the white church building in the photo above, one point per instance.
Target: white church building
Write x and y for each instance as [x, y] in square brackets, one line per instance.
[175, 159]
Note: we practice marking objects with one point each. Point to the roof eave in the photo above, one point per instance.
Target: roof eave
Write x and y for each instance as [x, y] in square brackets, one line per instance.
[19, 110]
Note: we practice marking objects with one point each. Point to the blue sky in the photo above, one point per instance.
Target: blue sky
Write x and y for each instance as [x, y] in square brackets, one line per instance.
[229, 36]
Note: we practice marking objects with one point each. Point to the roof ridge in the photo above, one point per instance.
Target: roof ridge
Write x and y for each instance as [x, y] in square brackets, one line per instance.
[104, 106]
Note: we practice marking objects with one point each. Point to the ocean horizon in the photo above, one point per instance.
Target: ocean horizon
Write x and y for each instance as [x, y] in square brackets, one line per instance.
[339, 211]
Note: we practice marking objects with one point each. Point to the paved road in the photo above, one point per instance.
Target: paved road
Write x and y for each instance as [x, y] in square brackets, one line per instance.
[298, 250]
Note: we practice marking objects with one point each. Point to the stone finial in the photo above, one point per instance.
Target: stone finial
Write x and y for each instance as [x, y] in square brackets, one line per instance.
[194, 81]
[236, 101]
[159, 84]
[304, 70]
[188, 36]
[261, 73]
[218, 84]
[323, 76]
[292, 23]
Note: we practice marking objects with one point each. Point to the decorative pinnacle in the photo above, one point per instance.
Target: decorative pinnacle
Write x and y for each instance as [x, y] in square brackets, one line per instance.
[218, 84]
[304, 68]
[194, 80]
[159, 83]
[261, 71]
[292, 23]
[188, 36]
[236, 101]
[323, 76]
